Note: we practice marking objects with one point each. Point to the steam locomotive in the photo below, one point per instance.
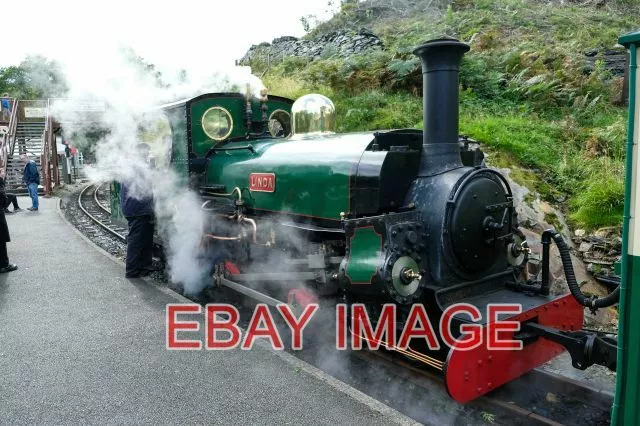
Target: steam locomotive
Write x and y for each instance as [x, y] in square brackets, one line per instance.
[404, 217]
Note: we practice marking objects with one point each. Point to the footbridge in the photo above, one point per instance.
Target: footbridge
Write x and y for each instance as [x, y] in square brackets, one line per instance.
[29, 127]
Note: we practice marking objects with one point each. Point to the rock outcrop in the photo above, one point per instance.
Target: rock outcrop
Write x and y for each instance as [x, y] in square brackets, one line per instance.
[613, 60]
[600, 249]
[343, 43]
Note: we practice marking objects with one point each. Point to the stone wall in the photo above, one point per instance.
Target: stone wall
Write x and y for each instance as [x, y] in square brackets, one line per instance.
[613, 60]
[343, 43]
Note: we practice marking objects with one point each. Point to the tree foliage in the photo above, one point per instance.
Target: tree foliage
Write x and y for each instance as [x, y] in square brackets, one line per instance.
[147, 69]
[35, 78]
[38, 77]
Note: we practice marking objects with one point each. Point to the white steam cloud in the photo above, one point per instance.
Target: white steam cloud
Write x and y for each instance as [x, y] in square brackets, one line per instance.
[131, 92]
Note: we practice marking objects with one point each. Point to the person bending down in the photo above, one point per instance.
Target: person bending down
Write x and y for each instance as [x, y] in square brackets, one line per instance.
[11, 198]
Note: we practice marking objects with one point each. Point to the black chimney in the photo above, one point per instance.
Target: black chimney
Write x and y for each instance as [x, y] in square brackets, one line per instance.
[440, 66]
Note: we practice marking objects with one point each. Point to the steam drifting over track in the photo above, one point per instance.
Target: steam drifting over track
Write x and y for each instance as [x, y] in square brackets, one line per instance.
[95, 210]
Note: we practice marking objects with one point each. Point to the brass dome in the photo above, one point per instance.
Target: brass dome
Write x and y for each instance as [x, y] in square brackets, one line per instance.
[313, 113]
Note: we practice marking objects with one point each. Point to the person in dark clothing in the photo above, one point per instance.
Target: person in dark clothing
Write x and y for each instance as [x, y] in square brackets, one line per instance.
[139, 214]
[31, 177]
[11, 199]
[5, 266]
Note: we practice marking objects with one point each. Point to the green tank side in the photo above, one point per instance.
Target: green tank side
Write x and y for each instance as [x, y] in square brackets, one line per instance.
[116, 213]
[311, 176]
[364, 258]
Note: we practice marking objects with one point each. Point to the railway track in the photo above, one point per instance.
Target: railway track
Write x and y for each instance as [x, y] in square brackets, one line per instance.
[538, 398]
[102, 191]
[96, 211]
[87, 211]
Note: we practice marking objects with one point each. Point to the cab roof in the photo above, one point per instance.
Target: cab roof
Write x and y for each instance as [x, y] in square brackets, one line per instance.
[237, 95]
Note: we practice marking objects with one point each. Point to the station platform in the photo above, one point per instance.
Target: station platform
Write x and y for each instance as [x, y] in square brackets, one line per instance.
[81, 344]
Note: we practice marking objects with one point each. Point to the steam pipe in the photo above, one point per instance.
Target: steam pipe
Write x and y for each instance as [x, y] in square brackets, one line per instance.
[217, 237]
[220, 194]
[264, 108]
[248, 112]
[546, 243]
[590, 302]
[440, 60]
[254, 227]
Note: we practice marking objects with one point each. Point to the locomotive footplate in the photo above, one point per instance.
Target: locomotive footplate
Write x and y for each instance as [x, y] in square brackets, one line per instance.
[470, 374]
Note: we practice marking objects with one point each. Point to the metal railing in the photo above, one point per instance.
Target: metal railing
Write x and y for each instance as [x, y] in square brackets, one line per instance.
[7, 142]
[26, 111]
[35, 111]
[49, 154]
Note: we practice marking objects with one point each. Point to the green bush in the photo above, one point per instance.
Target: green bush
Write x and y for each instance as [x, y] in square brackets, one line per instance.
[533, 142]
[610, 140]
[401, 68]
[377, 109]
[292, 64]
[478, 73]
[601, 203]
[323, 72]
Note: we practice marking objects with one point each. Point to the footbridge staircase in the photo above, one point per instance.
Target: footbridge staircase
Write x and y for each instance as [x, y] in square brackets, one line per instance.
[27, 128]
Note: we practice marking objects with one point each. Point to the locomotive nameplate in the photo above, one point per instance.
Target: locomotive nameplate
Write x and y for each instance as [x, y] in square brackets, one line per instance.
[262, 182]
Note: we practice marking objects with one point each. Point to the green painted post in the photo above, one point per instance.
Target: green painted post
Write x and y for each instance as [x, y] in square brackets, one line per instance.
[116, 213]
[627, 399]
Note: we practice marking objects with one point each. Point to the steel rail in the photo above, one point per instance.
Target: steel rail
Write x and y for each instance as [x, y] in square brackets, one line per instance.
[95, 219]
[95, 197]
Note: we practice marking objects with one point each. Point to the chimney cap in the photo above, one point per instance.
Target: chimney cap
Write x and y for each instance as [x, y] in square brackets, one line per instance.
[441, 42]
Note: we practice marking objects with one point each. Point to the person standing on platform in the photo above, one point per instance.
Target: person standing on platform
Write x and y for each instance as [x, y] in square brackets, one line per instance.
[5, 107]
[5, 266]
[138, 210]
[31, 178]
[74, 156]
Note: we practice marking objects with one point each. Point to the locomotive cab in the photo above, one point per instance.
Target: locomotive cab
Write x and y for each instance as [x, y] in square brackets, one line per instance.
[200, 126]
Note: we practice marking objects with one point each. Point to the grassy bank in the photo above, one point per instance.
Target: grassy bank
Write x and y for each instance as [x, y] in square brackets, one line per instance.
[528, 90]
